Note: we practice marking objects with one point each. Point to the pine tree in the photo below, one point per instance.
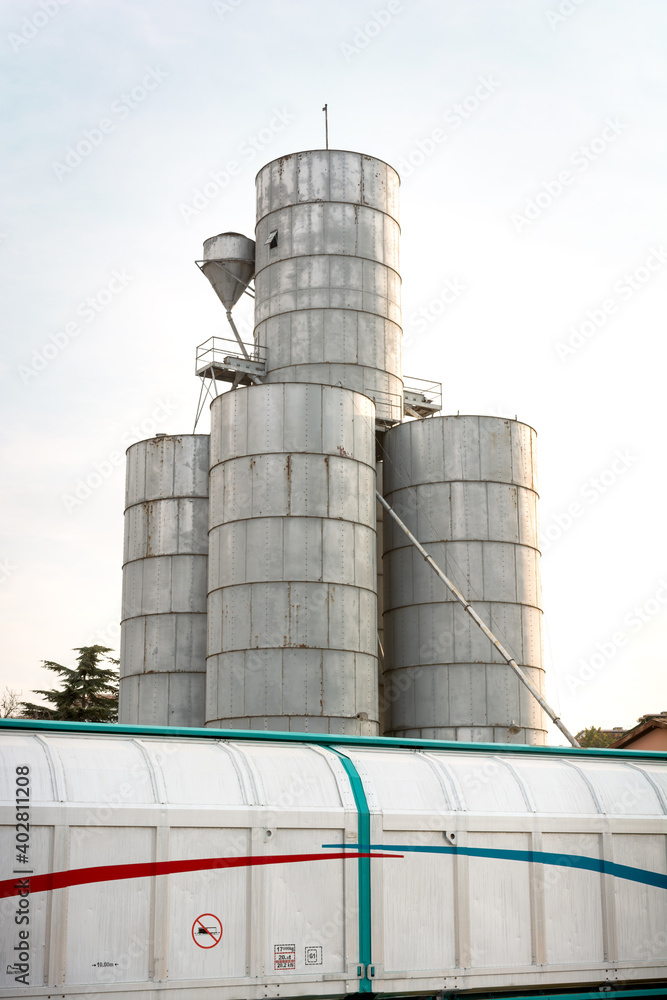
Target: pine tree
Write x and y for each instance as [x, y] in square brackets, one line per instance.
[88, 693]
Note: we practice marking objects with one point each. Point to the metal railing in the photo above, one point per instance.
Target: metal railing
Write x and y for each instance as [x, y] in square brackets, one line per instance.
[388, 405]
[429, 392]
[223, 352]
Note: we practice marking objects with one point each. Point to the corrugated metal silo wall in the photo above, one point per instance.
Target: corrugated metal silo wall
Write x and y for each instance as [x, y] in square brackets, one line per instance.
[163, 629]
[466, 487]
[292, 611]
[379, 528]
[327, 285]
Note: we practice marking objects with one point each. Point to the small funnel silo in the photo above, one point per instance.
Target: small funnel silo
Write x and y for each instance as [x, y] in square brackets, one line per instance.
[229, 264]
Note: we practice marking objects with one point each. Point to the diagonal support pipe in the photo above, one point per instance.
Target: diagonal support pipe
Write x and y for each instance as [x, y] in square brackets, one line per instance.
[478, 621]
[255, 378]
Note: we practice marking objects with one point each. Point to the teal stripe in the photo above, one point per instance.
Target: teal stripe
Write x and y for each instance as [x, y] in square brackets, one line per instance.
[320, 739]
[538, 857]
[364, 836]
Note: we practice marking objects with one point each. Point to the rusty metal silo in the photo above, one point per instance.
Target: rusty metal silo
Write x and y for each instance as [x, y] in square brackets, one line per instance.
[292, 616]
[327, 284]
[163, 628]
[466, 487]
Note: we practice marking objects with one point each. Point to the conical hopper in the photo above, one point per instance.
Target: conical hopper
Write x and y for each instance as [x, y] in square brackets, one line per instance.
[229, 264]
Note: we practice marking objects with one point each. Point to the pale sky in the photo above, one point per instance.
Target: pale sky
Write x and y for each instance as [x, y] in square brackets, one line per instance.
[530, 136]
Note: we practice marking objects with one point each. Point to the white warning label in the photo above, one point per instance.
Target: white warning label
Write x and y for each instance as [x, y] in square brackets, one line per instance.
[284, 957]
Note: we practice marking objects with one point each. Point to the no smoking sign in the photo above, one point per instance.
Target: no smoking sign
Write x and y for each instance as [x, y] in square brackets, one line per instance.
[207, 930]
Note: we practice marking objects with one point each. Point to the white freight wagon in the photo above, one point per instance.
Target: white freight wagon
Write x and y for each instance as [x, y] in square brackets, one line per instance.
[241, 865]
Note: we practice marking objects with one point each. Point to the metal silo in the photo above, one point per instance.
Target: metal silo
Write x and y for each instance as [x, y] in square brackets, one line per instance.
[292, 609]
[163, 628]
[229, 264]
[466, 487]
[327, 306]
[379, 529]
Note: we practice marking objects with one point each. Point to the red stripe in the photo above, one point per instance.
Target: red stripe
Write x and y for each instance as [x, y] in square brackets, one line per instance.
[113, 873]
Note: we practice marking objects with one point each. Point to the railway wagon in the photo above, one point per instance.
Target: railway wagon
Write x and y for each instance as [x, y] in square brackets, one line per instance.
[239, 865]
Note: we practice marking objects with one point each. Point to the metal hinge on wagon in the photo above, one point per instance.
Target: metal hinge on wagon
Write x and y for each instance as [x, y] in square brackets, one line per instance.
[364, 971]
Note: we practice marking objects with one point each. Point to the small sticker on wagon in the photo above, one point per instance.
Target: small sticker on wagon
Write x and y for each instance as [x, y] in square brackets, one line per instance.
[207, 930]
[284, 957]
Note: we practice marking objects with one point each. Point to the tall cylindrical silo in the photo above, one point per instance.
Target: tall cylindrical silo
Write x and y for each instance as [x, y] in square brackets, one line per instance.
[327, 286]
[292, 610]
[379, 529]
[466, 487]
[163, 629]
